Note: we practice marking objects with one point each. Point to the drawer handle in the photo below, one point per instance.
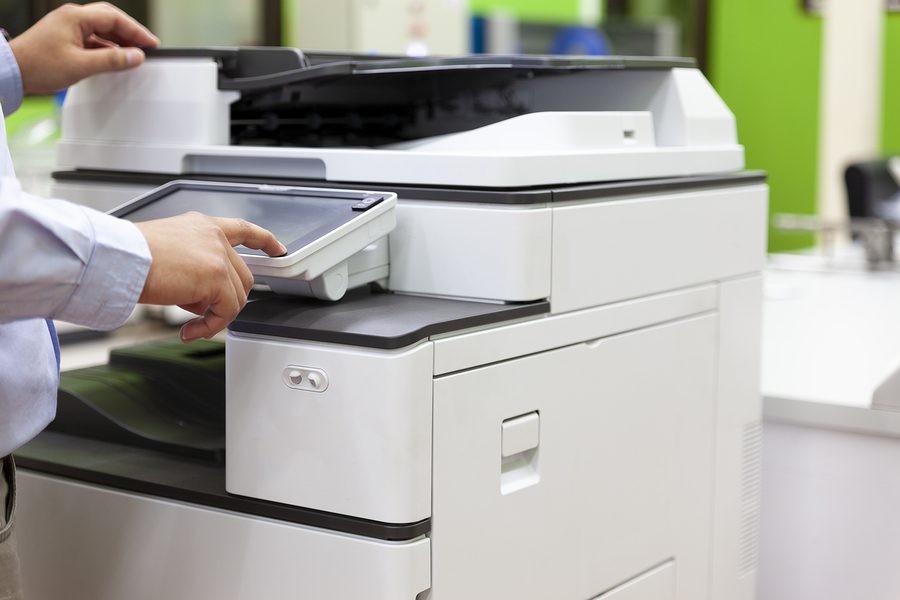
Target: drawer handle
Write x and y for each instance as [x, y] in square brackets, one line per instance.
[520, 439]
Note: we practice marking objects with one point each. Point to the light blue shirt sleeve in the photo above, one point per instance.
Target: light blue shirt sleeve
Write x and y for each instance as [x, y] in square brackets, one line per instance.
[57, 260]
[67, 262]
[11, 91]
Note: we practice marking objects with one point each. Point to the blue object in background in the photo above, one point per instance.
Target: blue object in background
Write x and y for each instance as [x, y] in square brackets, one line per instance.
[580, 40]
[479, 31]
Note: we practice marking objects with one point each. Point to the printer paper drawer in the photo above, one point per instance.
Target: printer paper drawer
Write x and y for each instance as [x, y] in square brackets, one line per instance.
[85, 542]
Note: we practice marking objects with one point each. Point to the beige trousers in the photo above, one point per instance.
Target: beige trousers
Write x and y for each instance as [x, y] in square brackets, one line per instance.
[10, 579]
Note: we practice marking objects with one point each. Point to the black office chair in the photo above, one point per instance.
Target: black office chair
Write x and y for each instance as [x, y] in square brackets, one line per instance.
[871, 191]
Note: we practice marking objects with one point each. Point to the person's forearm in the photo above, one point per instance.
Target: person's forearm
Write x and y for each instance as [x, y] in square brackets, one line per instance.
[65, 261]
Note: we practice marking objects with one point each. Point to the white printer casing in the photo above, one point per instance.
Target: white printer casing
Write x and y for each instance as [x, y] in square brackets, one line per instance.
[603, 444]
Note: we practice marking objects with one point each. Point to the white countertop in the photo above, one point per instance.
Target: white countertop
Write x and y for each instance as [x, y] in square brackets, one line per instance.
[830, 337]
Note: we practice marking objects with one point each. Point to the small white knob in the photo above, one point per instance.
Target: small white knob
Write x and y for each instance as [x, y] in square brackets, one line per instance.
[295, 377]
[315, 380]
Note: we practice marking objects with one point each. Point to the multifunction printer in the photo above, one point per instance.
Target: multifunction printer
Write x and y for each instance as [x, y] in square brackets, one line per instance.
[512, 352]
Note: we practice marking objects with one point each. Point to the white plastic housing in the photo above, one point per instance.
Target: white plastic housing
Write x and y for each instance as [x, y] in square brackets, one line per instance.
[110, 545]
[642, 484]
[640, 468]
[578, 254]
[472, 250]
[164, 101]
[627, 247]
[613, 125]
[362, 447]
[622, 477]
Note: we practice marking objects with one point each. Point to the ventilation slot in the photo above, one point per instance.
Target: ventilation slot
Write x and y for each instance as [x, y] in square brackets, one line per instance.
[751, 469]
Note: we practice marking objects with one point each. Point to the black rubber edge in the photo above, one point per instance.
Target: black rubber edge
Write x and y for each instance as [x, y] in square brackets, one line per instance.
[380, 62]
[511, 312]
[180, 488]
[251, 69]
[505, 196]
[521, 61]
[646, 186]
[201, 52]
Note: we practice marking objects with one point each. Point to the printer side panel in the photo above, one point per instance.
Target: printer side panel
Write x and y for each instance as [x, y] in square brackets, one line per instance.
[738, 440]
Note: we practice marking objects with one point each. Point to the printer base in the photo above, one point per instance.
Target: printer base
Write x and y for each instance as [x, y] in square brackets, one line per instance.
[128, 552]
[145, 548]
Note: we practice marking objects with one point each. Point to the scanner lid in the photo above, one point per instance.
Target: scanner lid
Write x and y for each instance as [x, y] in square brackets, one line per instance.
[292, 98]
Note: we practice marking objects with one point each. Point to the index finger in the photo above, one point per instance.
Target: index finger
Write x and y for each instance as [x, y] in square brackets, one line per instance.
[239, 231]
[112, 23]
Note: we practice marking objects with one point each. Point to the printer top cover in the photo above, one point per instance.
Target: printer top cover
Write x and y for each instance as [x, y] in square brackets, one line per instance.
[477, 121]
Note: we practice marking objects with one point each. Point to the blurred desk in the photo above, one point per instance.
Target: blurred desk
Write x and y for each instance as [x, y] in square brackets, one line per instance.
[87, 353]
[831, 462]
[830, 337]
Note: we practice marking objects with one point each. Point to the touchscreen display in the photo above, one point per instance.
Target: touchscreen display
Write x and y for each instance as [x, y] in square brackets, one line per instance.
[296, 220]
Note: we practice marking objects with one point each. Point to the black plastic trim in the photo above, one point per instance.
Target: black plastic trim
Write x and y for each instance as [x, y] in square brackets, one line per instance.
[240, 62]
[213, 52]
[507, 196]
[355, 66]
[249, 68]
[373, 320]
[649, 186]
[146, 472]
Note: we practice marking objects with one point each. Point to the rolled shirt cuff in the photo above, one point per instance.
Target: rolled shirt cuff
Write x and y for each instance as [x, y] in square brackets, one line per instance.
[11, 90]
[114, 275]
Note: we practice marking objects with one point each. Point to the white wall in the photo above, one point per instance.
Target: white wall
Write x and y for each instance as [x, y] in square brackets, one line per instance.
[206, 22]
[851, 95]
[379, 26]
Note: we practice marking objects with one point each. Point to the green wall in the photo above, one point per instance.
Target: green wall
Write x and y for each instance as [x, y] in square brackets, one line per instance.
[764, 59]
[890, 132]
[556, 11]
[34, 108]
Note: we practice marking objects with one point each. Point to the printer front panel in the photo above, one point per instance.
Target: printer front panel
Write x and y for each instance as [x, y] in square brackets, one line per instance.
[470, 250]
[361, 447]
[565, 473]
[91, 542]
[613, 249]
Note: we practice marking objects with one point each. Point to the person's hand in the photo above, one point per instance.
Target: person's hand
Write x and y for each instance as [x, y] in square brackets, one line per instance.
[195, 267]
[73, 42]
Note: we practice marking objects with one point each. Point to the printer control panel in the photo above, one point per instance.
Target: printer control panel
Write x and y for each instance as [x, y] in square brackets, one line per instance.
[322, 229]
